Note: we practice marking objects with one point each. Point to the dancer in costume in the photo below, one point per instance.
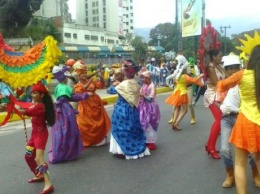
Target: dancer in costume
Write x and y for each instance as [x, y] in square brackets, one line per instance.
[215, 73]
[127, 136]
[42, 114]
[230, 108]
[118, 78]
[179, 98]
[66, 141]
[246, 132]
[93, 120]
[149, 110]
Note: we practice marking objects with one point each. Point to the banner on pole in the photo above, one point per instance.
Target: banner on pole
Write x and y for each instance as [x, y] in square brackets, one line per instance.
[191, 14]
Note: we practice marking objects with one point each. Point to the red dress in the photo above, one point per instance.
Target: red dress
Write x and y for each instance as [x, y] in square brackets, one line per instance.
[39, 134]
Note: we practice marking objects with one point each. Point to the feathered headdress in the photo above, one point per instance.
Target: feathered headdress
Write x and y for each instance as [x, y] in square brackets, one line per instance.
[208, 41]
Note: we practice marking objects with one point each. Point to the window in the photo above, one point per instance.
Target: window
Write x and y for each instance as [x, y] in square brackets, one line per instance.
[104, 10]
[104, 18]
[95, 38]
[75, 36]
[93, 4]
[102, 39]
[86, 37]
[67, 35]
[109, 41]
[104, 26]
[131, 27]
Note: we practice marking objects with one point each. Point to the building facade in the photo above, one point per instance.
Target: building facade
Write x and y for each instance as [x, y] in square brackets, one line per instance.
[55, 8]
[110, 15]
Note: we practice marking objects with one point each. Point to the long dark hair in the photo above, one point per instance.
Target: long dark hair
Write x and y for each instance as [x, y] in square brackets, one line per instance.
[254, 64]
[49, 109]
[212, 53]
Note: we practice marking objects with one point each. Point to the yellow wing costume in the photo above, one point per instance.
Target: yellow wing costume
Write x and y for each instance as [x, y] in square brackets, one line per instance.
[22, 69]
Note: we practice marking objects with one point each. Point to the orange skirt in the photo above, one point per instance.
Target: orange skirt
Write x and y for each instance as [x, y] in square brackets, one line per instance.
[175, 99]
[246, 134]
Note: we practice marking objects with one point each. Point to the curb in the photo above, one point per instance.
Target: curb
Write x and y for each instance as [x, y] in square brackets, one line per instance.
[109, 99]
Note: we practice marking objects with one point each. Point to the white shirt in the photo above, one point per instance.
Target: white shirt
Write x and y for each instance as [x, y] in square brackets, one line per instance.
[231, 102]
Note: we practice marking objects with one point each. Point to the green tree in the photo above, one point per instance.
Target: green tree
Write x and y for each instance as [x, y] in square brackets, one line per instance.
[140, 48]
[167, 34]
[16, 14]
[39, 28]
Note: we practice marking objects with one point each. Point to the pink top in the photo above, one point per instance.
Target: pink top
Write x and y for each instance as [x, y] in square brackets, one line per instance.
[148, 90]
[210, 93]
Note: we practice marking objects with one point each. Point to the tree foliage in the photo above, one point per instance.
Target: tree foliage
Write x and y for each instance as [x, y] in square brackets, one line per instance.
[39, 28]
[16, 14]
[167, 36]
[140, 48]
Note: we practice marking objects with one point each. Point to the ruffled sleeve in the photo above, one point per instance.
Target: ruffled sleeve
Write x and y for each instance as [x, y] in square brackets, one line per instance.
[191, 80]
[233, 80]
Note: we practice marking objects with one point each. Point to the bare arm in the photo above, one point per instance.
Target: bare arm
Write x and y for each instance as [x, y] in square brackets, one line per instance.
[212, 75]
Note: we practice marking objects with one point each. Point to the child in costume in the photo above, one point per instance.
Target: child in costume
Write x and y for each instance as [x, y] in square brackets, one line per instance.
[66, 141]
[127, 136]
[42, 114]
[93, 120]
[230, 108]
[149, 110]
[179, 98]
[245, 134]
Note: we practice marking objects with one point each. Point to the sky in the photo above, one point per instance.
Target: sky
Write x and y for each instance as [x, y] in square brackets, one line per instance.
[149, 13]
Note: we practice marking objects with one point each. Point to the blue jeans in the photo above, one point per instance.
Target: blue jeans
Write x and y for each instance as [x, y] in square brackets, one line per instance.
[227, 123]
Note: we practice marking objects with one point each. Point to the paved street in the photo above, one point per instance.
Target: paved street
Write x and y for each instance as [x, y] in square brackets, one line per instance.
[180, 165]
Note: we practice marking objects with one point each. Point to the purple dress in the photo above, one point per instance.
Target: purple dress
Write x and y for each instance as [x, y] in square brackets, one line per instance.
[65, 135]
[149, 112]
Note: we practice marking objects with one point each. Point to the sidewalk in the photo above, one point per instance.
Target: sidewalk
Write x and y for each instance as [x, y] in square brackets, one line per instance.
[109, 98]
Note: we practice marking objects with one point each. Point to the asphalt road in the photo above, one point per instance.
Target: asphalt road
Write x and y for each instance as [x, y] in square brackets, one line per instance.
[180, 164]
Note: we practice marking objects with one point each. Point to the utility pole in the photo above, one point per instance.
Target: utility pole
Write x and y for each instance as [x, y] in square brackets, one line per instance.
[225, 36]
[176, 25]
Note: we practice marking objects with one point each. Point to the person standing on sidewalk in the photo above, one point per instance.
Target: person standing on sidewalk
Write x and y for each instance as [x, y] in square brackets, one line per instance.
[149, 110]
[230, 109]
[43, 114]
[127, 136]
[66, 142]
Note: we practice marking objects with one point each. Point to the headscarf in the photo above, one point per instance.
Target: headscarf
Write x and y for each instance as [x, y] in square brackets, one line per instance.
[70, 62]
[80, 67]
[147, 74]
[129, 68]
[39, 87]
[58, 72]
